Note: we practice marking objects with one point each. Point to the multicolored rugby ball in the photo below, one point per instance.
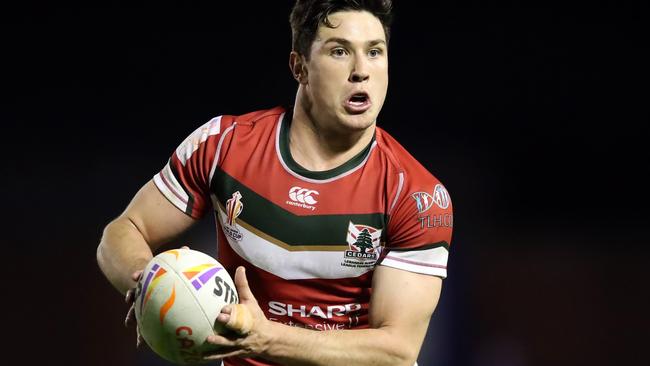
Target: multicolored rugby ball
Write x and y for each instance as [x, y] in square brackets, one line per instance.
[178, 298]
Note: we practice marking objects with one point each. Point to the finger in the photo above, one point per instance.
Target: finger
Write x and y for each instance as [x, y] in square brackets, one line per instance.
[227, 347]
[240, 319]
[130, 294]
[221, 341]
[130, 316]
[223, 318]
[219, 356]
[241, 283]
[138, 338]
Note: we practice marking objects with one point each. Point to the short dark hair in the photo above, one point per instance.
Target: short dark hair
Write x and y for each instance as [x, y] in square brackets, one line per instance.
[307, 15]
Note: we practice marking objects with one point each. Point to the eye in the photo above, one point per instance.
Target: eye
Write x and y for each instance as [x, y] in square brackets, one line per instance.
[338, 52]
[375, 52]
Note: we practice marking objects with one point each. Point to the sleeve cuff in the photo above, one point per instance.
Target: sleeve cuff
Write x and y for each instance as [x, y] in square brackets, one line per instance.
[431, 261]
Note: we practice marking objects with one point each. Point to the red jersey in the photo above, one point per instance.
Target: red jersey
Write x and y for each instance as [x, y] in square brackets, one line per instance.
[309, 240]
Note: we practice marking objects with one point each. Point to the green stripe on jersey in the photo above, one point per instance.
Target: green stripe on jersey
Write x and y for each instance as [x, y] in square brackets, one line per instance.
[270, 220]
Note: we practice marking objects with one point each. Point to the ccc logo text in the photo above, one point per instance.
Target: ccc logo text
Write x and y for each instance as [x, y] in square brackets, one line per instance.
[302, 197]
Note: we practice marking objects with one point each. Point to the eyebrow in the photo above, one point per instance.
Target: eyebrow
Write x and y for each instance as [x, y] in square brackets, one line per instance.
[347, 43]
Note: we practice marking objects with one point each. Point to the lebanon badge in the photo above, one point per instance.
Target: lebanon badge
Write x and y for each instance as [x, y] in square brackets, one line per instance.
[234, 207]
[364, 246]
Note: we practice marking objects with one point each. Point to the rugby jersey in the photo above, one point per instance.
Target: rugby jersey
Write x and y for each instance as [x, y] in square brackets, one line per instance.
[309, 240]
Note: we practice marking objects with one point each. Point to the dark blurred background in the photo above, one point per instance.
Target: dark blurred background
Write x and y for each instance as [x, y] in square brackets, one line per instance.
[533, 114]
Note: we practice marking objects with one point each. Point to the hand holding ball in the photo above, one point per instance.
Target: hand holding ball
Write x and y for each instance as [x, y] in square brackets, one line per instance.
[178, 298]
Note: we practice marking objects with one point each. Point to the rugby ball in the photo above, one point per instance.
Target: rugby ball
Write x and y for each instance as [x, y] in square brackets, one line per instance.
[178, 298]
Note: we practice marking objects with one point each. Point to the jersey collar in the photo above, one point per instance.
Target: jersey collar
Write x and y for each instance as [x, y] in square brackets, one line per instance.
[282, 147]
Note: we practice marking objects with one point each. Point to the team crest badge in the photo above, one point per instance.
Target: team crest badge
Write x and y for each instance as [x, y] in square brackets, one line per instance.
[234, 207]
[364, 242]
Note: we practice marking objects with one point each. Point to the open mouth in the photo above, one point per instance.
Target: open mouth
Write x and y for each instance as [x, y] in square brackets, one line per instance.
[358, 103]
[359, 98]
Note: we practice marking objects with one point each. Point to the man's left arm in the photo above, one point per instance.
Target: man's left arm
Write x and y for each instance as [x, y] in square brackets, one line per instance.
[401, 305]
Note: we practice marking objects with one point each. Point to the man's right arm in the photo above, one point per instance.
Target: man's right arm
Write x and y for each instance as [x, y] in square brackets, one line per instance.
[128, 242]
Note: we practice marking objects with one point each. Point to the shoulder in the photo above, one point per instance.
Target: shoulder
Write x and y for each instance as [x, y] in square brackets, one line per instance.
[264, 116]
[416, 188]
[211, 134]
[401, 160]
[221, 123]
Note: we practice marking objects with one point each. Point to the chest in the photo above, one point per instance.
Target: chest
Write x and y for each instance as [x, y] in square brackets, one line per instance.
[274, 234]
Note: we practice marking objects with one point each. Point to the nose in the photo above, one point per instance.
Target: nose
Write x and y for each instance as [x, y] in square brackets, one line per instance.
[359, 71]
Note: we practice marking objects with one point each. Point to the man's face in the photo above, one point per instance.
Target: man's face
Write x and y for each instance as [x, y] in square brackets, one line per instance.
[347, 74]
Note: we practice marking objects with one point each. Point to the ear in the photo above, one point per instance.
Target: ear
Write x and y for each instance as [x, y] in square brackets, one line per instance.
[297, 64]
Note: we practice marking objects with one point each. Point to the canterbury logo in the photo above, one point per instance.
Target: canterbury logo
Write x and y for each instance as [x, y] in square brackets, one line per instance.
[303, 195]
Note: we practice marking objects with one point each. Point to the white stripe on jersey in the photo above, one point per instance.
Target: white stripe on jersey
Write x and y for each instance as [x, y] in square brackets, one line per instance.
[170, 188]
[429, 261]
[400, 185]
[215, 161]
[289, 265]
[200, 135]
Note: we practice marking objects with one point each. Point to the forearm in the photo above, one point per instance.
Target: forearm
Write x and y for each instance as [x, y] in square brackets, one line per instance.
[297, 346]
[122, 251]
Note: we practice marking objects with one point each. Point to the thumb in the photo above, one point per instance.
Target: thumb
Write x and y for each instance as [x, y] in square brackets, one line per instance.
[241, 283]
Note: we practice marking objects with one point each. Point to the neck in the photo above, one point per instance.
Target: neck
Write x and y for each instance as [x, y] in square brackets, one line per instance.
[316, 148]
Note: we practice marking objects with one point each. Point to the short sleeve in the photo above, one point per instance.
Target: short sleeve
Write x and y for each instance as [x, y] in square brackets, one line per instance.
[420, 228]
[185, 179]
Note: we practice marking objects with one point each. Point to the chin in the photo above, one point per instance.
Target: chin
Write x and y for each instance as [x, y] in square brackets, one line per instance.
[354, 124]
[359, 121]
